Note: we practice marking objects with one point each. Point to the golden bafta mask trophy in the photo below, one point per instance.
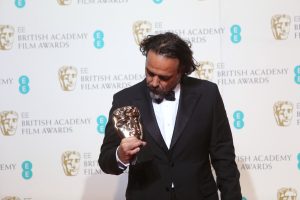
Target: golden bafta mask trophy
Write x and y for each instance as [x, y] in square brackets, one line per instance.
[127, 122]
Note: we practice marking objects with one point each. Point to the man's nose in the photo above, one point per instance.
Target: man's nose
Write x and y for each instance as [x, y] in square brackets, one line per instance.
[155, 81]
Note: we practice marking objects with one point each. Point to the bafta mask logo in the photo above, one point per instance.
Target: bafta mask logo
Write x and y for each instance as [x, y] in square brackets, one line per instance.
[64, 2]
[71, 162]
[6, 37]
[283, 112]
[8, 122]
[11, 198]
[67, 76]
[127, 122]
[281, 26]
[286, 194]
[140, 30]
[205, 70]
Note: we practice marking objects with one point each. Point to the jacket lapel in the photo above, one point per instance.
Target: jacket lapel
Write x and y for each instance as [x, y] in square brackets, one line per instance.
[148, 118]
[188, 100]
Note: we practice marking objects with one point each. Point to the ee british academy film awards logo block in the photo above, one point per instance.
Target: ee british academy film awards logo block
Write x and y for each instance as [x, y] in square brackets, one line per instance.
[71, 163]
[285, 26]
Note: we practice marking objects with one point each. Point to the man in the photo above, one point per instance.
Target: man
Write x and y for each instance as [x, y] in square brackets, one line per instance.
[180, 137]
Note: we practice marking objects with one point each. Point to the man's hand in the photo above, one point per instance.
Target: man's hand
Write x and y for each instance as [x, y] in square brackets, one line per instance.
[128, 148]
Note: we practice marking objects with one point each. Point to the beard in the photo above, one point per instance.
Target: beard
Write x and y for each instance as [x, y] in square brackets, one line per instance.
[154, 94]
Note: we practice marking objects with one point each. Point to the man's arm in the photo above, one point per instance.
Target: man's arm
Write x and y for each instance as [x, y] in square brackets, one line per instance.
[222, 153]
[114, 148]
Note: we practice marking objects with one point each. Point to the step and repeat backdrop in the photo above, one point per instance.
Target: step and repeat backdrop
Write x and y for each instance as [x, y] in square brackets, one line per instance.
[62, 60]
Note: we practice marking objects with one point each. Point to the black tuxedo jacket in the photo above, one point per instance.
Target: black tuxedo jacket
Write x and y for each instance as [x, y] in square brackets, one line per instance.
[201, 136]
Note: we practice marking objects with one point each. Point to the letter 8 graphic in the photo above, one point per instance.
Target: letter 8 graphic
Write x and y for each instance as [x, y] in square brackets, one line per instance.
[297, 74]
[238, 117]
[235, 33]
[20, 3]
[27, 167]
[98, 39]
[101, 121]
[24, 87]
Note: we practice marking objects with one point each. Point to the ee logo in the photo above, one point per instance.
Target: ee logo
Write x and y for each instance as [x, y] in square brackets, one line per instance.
[235, 31]
[98, 39]
[24, 87]
[101, 121]
[20, 3]
[238, 117]
[27, 167]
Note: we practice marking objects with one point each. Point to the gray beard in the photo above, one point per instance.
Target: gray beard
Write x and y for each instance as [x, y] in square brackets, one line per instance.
[155, 96]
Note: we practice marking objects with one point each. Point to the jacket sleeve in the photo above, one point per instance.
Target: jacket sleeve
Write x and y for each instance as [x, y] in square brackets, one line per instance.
[222, 153]
[107, 158]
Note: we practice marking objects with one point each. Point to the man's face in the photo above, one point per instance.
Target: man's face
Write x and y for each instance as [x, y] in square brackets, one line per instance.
[162, 73]
[285, 114]
[72, 164]
[6, 38]
[9, 124]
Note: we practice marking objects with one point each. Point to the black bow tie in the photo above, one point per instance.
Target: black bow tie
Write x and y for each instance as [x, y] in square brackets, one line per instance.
[170, 96]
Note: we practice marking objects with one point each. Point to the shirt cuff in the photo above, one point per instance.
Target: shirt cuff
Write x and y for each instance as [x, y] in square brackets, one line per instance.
[121, 165]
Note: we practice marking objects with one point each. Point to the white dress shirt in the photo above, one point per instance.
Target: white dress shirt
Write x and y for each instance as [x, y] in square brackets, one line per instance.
[165, 114]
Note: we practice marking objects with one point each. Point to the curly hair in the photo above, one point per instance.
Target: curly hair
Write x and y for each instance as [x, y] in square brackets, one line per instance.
[170, 45]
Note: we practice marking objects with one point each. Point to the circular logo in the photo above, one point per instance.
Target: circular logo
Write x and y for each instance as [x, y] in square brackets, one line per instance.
[101, 121]
[24, 87]
[98, 39]
[27, 167]
[235, 34]
[20, 3]
[238, 117]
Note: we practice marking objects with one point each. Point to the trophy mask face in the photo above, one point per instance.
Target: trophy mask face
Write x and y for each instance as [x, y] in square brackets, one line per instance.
[127, 122]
